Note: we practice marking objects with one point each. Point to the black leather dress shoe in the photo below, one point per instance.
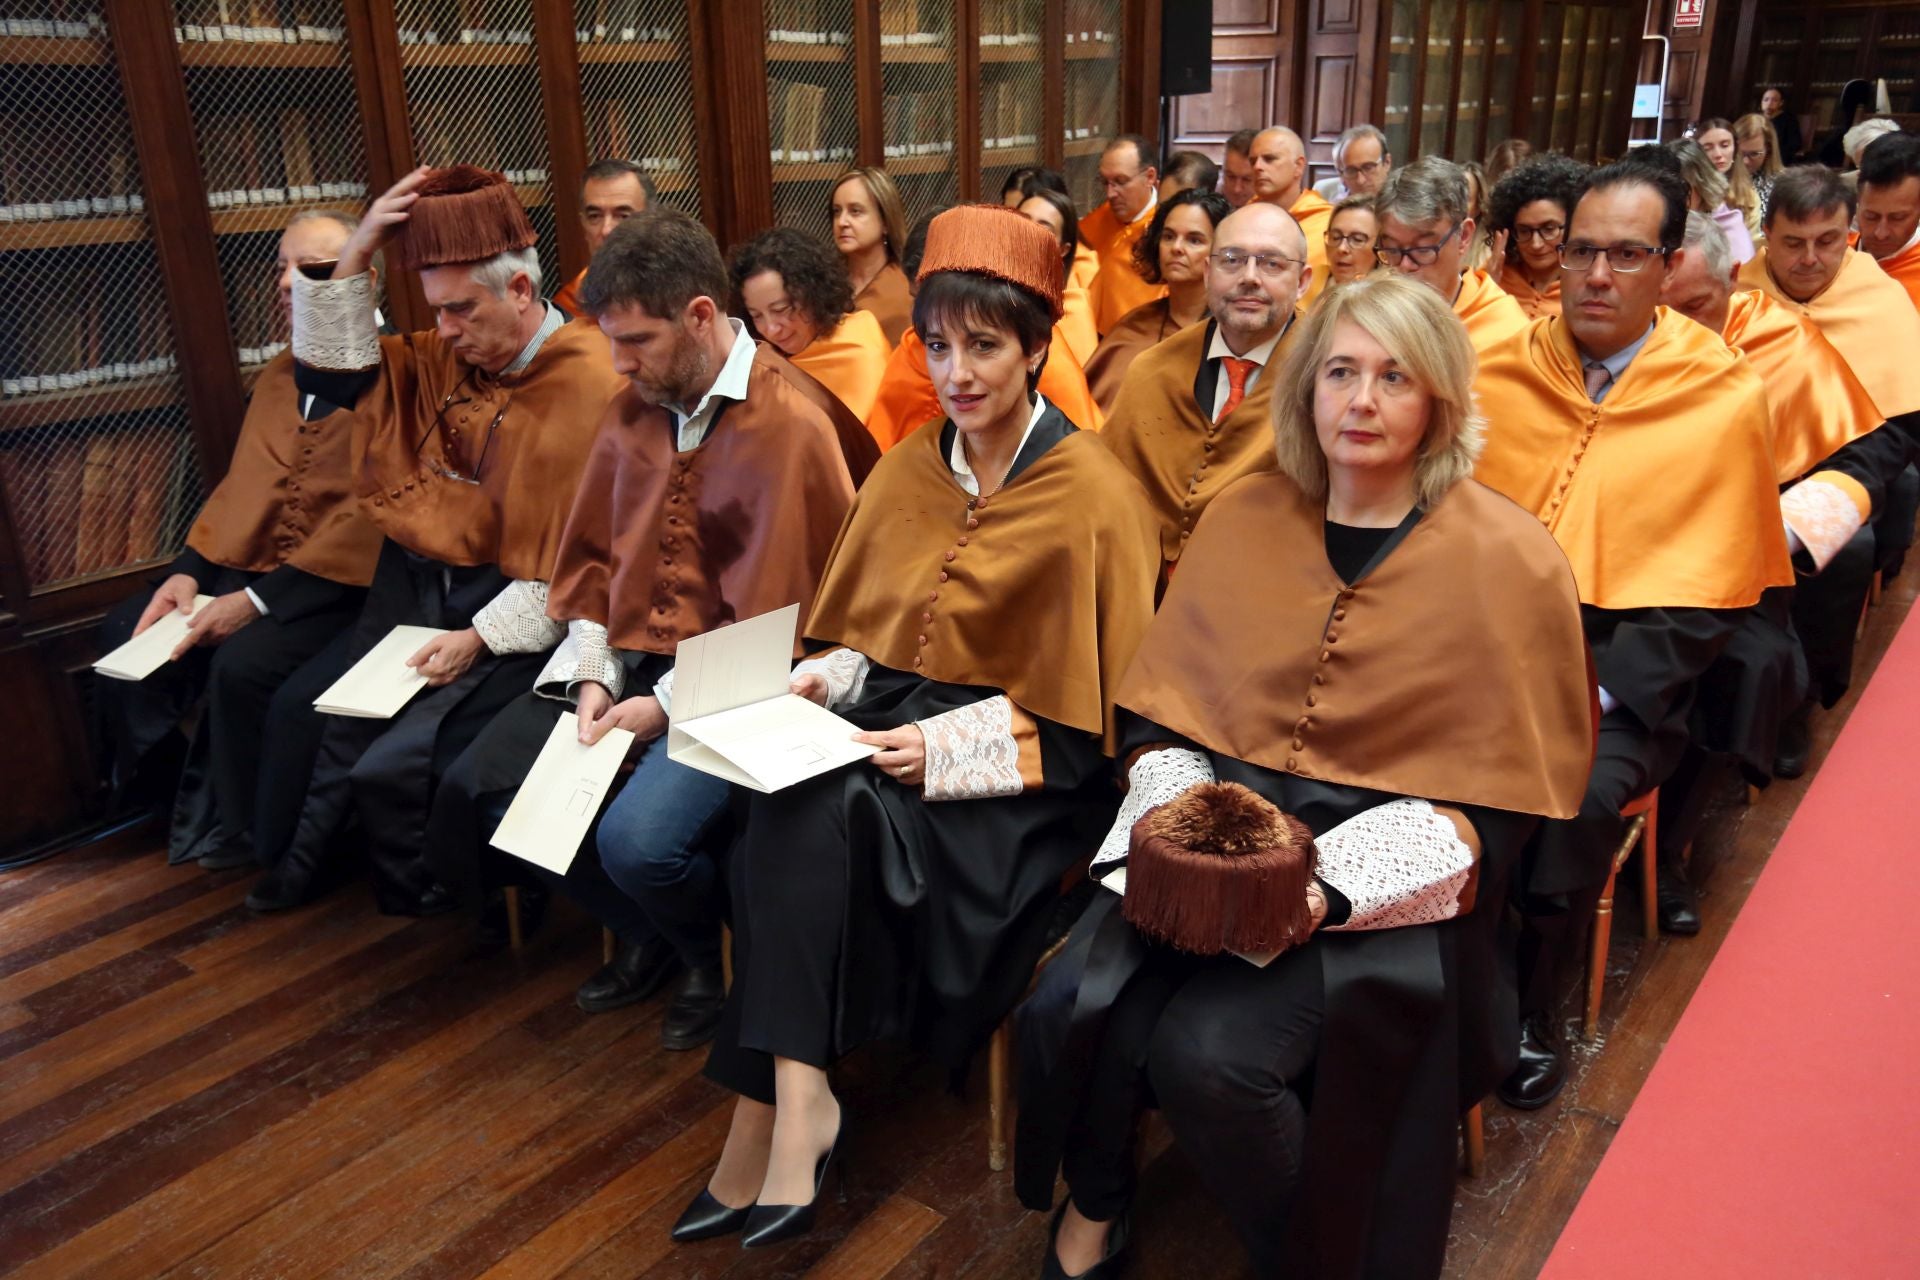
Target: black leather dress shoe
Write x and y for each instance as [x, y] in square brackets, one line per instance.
[1542, 1072]
[1678, 904]
[694, 1015]
[638, 970]
[706, 1218]
[1110, 1261]
[1790, 754]
[286, 886]
[237, 851]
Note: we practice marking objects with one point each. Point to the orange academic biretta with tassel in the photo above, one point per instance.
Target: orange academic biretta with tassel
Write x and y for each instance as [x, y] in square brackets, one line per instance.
[464, 214]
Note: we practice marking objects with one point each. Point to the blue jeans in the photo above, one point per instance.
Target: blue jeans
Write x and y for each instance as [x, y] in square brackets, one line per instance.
[650, 847]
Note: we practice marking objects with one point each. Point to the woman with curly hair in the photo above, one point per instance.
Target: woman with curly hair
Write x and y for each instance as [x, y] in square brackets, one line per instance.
[795, 293]
[1531, 206]
[1173, 252]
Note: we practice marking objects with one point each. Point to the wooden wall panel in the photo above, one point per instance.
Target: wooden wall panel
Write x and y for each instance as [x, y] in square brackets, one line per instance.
[1243, 94]
[1257, 72]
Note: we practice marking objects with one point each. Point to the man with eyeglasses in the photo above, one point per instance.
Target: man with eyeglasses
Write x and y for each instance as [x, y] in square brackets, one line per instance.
[472, 439]
[1132, 182]
[1643, 443]
[1280, 179]
[1425, 231]
[1192, 413]
[1361, 162]
[611, 192]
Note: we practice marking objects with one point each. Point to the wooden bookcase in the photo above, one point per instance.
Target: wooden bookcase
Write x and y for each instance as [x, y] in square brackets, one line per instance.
[151, 151]
[1810, 50]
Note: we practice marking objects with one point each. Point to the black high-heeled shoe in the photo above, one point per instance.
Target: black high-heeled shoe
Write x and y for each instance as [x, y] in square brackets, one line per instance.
[772, 1223]
[706, 1218]
[1110, 1262]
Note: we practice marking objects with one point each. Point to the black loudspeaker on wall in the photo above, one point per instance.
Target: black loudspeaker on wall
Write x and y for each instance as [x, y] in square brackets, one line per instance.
[1186, 47]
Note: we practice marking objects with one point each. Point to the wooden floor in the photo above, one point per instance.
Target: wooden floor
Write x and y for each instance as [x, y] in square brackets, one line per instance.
[187, 1090]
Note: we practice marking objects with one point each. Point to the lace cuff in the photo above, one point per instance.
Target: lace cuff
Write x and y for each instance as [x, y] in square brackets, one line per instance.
[516, 621]
[984, 749]
[663, 691]
[844, 670]
[1155, 778]
[584, 655]
[1822, 514]
[334, 324]
[1400, 863]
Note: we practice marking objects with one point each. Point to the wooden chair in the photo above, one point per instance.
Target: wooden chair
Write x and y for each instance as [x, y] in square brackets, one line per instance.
[1473, 1131]
[1642, 832]
[1000, 1070]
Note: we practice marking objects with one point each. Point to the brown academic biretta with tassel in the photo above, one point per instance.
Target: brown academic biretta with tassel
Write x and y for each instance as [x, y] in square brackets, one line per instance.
[464, 214]
[1220, 869]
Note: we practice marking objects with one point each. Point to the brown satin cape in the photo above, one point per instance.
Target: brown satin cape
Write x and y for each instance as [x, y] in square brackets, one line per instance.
[1177, 453]
[890, 300]
[1868, 317]
[514, 517]
[664, 545]
[1117, 288]
[1489, 312]
[1816, 403]
[1044, 598]
[287, 497]
[1532, 301]
[907, 401]
[1139, 329]
[1664, 494]
[1455, 670]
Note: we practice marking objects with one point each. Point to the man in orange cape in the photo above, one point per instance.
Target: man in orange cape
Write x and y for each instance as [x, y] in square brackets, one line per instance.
[1889, 215]
[1643, 443]
[1280, 178]
[611, 192]
[1425, 230]
[1132, 182]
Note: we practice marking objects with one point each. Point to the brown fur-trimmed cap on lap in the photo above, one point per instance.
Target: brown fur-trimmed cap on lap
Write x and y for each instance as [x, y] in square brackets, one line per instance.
[1220, 869]
[464, 214]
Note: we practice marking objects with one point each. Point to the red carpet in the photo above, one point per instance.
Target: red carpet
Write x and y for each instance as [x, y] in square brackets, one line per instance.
[1779, 1133]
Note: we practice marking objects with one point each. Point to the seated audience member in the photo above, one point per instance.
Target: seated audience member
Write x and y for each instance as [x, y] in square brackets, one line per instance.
[794, 291]
[1318, 1092]
[1643, 443]
[1759, 149]
[611, 192]
[1351, 235]
[1425, 228]
[470, 443]
[1718, 139]
[284, 551]
[1479, 253]
[1889, 214]
[1530, 207]
[1236, 167]
[869, 228]
[1361, 163]
[908, 401]
[1054, 211]
[1280, 178]
[1786, 125]
[1858, 139]
[1506, 157]
[1172, 253]
[908, 897]
[1834, 459]
[1027, 179]
[1188, 171]
[1708, 193]
[715, 490]
[1132, 183]
[1192, 413]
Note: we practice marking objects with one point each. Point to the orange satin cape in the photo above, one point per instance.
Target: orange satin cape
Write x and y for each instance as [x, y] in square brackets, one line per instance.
[1118, 288]
[662, 545]
[1662, 495]
[850, 361]
[1180, 456]
[1041, 590]
[1535, 302]
[1868, 317]
[568, 297]
[1314, 215]
[287, 497]
[1139, 329]
[1076, 306]
[1489, 312]
[907, 400]
[1816, 403]
[1273, 659]
[1904, 268]
[547, 413]
[888, 299]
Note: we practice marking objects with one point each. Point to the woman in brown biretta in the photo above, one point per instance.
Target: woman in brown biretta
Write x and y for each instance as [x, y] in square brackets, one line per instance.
[991, 583]
[1382, 660]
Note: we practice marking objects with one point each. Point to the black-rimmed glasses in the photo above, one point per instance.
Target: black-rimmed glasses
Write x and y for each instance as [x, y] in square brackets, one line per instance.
[1624, 258]
[444, 471]
[1423, 255]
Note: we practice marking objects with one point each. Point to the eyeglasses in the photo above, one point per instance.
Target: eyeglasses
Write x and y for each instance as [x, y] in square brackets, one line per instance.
[1546, 232]
[1114, 184]
[1367, 170]
[1348, 240]
[444, 471]
[1423, 255]
[1233, 261]
[1624, 258]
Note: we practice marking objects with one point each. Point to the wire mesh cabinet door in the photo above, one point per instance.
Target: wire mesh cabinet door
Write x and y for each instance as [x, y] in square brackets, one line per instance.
[1092, 104]
[636, 92]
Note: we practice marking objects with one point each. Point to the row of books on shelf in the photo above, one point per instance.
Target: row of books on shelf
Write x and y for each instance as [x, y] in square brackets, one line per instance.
[253, 357]
[1093, 21]
[645, 130]
[233, 33]
[58, 210]
[93, 329]
[43, 177]
[917, 124]
[53, 20]
[311, 193]
[89, 501]
[1010, 22]
[465, 35]
[1009, 115]
[808, 21]
[627, 21]
[1092, 104]
[911, 23]
[34, 384]
[251, 159]
[445, 133]
[800, 127]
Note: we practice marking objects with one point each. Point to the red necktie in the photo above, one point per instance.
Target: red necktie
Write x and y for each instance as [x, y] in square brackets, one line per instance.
[1238, 371]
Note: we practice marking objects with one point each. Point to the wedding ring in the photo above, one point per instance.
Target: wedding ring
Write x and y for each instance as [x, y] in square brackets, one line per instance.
[903, 770]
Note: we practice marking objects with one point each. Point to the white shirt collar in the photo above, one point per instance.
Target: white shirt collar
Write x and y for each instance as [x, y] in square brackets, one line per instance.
[1259, 355]
[549, 325]
[731, 384]
[1153, 201]
[957, 455]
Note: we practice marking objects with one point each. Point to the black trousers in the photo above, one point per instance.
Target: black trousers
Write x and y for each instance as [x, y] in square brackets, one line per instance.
[290, 744]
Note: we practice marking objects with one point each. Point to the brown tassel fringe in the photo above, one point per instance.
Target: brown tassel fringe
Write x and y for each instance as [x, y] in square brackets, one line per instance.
[464, 214]
[1220, 870]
